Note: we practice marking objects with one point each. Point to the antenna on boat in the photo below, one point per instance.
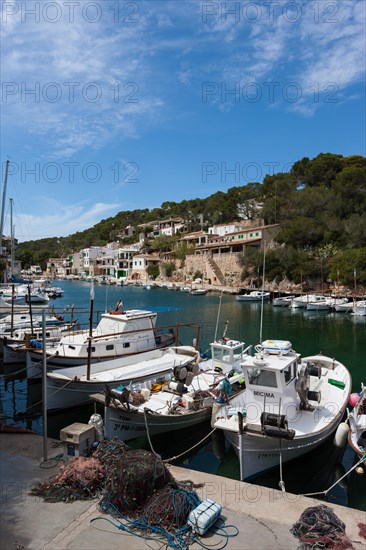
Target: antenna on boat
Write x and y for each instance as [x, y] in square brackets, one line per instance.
[218, 317]
[262, 304]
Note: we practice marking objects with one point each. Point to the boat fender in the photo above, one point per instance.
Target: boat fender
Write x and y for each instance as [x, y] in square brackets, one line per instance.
[97, 422]
[340, 437]
[354, 399]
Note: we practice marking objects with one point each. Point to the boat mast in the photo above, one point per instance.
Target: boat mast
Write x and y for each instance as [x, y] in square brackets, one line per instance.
[11, 238]
[262, 304]
[3, 208]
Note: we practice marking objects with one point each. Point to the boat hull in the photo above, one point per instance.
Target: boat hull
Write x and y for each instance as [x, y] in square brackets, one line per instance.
[128, 425]
[55, 362]
[258, 454]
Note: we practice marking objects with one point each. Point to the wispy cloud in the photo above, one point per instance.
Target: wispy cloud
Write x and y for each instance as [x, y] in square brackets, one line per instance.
[69, 218]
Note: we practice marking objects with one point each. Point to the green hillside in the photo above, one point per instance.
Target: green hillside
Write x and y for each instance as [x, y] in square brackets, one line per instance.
[320, 205]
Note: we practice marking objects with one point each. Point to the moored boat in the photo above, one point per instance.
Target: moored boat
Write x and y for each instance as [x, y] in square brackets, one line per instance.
[283, 301]
[289, 407]
[71, 387]
[253, 296]
[357, 426]
[184, 401]
[118, 334]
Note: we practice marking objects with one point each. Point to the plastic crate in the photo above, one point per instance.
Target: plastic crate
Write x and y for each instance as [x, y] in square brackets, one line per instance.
[204, 516]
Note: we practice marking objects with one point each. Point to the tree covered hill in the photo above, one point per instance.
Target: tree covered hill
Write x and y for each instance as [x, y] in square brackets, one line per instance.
[320, 204]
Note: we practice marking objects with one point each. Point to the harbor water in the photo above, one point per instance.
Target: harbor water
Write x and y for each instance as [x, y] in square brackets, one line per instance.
[338, 335]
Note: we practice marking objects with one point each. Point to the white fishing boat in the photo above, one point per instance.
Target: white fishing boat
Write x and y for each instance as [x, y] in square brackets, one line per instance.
[359, 308]
[345, 307]
[15, 343]
[118, 334]
[6, 306]
[183, 401]
[253, 296]
[325, 304]
[71, 387]
[305, 299]
[357, 426]
[289, 407]
[283, 301]
[198, 291]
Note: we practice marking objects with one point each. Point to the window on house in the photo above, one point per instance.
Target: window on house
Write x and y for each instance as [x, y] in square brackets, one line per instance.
[109, 347]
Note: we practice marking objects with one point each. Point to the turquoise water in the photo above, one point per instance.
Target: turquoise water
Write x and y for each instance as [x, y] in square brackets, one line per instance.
[334, 334]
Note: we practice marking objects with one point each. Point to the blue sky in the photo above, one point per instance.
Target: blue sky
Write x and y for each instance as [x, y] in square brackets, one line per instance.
[110, 106]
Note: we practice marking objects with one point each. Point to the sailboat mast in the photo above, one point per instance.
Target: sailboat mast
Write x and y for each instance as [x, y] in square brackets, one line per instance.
[3, 208]
[11, 238]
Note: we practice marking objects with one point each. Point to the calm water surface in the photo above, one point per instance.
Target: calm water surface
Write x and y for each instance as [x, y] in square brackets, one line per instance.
[334, 334]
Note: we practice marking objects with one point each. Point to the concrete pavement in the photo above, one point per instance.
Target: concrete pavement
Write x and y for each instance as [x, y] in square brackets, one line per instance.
[263, 516]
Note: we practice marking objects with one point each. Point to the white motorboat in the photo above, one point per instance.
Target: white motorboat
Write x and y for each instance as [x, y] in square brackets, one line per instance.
[118, 334]
[71, 387]
[253, 296]
[289, 407]
[345, 307]
[359, 308]
[303, 300]
[325, 304]
[357, 426]
[282, 301]
[198, 291]
[15, 344]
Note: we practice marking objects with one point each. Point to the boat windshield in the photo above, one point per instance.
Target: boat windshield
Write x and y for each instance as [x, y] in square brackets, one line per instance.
[226, 355]
[262, 377]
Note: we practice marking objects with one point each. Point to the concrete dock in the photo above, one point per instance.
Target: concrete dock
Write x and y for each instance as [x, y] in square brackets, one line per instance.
[263, 516]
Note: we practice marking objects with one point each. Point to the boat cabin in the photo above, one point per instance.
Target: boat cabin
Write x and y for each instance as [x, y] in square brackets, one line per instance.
[228, 354]
[270, 383]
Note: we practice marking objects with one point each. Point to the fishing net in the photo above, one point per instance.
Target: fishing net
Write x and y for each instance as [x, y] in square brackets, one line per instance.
[81, 479]
[170, 507]
[319, 526]
[136, 475]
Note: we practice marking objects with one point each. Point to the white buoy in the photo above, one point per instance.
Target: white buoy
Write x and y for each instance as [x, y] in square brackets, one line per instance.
[359, 470]
[340, 437]
[97, 422]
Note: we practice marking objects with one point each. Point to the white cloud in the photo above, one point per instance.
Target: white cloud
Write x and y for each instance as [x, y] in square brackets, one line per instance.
[68, 219]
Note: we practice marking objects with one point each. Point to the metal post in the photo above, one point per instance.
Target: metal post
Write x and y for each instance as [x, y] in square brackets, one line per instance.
[3, 208]
[90, 330]
[44, 385]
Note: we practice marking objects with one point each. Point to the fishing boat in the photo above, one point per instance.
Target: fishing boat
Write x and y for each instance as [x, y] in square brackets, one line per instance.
[305, 299]
[283, 301]
[357, 424]
[289, 406]
[253, 296]
[119, 333]
[198, 291]
[325, 304]
[184, 400]
[73, 386]
[15, 344]
[359, 308]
